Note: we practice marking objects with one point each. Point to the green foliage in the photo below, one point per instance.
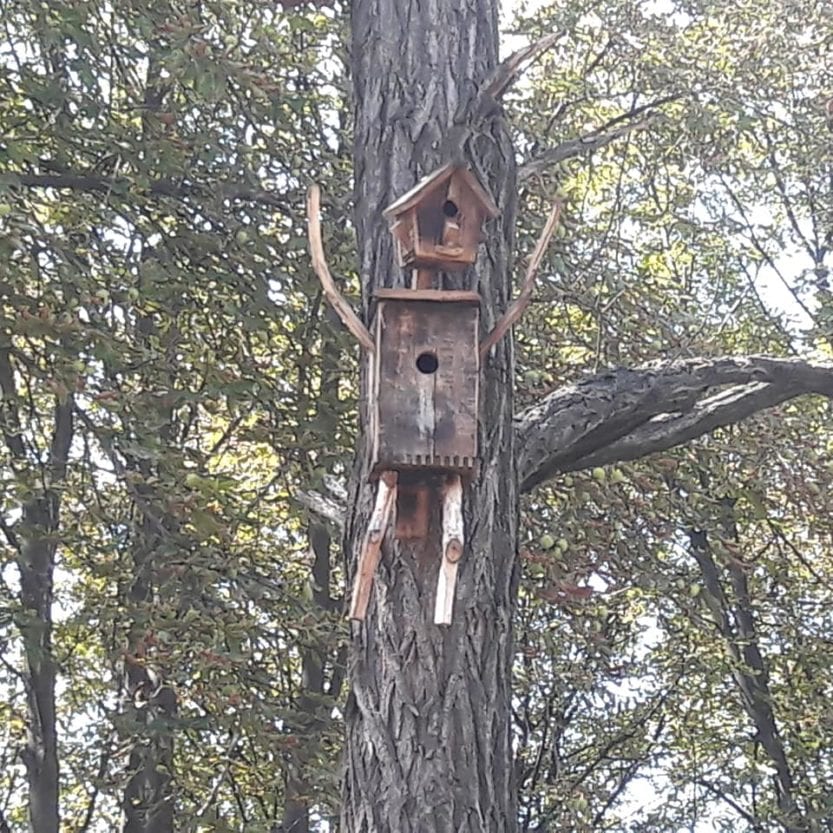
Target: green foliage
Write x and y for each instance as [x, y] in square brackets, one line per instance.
[703, 232]
[154, 276]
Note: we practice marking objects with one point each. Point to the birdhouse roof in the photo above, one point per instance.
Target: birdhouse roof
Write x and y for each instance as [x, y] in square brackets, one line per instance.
[435, 180]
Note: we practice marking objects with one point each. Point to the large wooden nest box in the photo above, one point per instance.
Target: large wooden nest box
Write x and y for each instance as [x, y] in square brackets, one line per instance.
[425, 372]
[438, 223]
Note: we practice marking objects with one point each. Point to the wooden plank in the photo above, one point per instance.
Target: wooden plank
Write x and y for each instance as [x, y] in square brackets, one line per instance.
[372, 545]
[422, 279]
[440, 295]
[412, 511]
[517, 307]
[455, 436]
[453, 542]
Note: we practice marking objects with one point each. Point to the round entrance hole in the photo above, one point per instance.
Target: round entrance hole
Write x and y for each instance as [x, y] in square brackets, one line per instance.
[450, 208]
[427, 363]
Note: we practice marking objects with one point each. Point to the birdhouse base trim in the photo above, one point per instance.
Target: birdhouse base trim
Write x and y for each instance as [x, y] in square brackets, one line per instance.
[439, 295]
[467, 467]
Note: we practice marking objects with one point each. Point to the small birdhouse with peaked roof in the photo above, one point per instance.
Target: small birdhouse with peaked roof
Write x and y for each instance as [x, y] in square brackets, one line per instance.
[438, 223]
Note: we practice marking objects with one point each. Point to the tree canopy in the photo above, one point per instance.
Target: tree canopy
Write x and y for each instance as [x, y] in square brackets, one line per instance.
[179, 405]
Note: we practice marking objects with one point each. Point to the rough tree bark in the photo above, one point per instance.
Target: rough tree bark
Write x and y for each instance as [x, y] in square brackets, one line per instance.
[428, 731]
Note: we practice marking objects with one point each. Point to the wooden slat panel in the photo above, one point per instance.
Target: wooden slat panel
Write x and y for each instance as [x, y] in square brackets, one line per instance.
[427, 419]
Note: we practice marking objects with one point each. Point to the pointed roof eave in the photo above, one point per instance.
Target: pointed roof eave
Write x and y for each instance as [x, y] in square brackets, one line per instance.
[434, 180]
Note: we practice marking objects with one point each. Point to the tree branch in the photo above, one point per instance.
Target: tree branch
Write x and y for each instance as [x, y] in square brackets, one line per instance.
[510, 69]
[625, 414]
[593, 141]
[157, 188]
[319, 264]
[517, 307]
[323, 506]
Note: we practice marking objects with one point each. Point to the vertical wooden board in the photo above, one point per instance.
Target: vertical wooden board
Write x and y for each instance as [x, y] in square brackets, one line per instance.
[413, 511]
[456, 393]
[406, 397]
[469, 217]
[427, 418]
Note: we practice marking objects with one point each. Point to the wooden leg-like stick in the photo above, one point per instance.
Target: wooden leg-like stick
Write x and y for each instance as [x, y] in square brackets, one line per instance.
[372, 544]
[452, 549]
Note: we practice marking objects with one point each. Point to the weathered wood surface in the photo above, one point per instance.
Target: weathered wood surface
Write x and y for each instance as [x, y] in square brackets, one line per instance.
[438, 223]
[429, 294]
[429, 746]
[372, 545]
[452, 549]
[413, 511]
[426, 419]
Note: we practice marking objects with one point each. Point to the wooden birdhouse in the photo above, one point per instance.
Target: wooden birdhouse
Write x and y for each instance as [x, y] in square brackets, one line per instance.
[425, 373]
[424, 365]
[438, 223]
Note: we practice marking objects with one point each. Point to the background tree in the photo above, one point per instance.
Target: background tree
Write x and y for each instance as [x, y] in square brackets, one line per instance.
[178, 415]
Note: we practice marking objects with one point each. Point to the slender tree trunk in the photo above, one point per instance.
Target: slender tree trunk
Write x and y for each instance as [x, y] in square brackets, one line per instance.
[36, 541]
[150, 702]
[428, 721]
[150, 707]
[40, 523]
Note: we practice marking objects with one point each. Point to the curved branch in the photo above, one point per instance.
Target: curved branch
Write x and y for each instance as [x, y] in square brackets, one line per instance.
[625, 414]
[594, 141]
[517, 307]
[319, 264]
[507, 73]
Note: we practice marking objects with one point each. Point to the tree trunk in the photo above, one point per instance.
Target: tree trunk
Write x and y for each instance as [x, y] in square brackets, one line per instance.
[35, 540]
[428, 719]
[150, 702]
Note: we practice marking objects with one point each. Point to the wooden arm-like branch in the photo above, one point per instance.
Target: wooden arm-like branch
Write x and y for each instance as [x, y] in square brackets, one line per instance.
[517, 307]
[319, 263]
[372, 544]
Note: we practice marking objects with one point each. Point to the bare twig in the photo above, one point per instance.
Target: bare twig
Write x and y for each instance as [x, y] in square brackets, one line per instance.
[319, 263]
[577, 147]
[517, 307]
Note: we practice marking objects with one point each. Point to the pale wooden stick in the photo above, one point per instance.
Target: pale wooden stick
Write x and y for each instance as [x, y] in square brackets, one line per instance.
[372, 544]
[452, 549]
[319, 263]
[517, 307]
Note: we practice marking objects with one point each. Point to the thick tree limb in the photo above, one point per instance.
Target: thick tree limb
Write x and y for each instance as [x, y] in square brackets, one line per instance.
[323, 506]
[626, 414]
